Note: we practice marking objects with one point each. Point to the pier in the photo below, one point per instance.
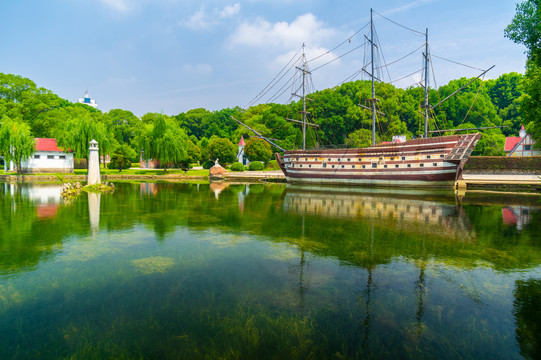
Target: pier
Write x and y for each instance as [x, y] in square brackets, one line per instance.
[499, 181]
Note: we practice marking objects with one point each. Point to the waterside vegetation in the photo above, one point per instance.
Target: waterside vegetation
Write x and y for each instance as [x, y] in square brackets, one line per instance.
[199, 135]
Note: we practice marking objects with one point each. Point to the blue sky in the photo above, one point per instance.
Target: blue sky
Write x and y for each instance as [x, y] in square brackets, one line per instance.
[171, 56]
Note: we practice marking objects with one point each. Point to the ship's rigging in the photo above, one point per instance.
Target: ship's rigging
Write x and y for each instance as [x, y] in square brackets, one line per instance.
[294, 81]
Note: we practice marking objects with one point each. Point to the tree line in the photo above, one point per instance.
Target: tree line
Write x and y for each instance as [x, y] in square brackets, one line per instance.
[525, 29]
[200, 135]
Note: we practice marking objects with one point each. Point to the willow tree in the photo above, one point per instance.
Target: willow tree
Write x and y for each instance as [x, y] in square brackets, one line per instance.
[80, 129]
[16, 141]
[163, 141]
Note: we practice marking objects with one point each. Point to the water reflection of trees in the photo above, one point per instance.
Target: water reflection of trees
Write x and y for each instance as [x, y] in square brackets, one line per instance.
[33, 223]
[527, 311]
[385, 310]
[336, 223]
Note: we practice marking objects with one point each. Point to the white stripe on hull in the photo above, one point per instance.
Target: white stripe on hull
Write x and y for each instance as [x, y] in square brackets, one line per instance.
[335, 181]
[375, 173]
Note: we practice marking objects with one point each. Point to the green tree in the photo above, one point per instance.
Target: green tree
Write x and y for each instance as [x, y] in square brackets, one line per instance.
[16, 142]
[490, 144]
[122, 157]
[163, 141]
[123, 125]
[193, 153]
[525, 28]
[203, 146]
[531, 104]
[221, 124]
[223, 150]
[194, 121]
[82, 127]
[505, 89]
[360, 138]
[258, 150]
[470, 105]
[24, 101]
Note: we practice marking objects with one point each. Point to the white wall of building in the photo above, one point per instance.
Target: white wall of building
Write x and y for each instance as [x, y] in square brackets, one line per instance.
[48, 161]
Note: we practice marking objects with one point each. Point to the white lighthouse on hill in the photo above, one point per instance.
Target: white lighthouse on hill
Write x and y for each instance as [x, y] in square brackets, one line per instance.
[88, 101]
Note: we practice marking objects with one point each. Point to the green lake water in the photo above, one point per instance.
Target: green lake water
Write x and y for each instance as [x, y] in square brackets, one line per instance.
[195, 271]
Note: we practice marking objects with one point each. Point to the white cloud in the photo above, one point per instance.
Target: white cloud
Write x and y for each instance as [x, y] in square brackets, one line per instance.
[230, 10]
[199, 20]
[203, 19]
[304, 29]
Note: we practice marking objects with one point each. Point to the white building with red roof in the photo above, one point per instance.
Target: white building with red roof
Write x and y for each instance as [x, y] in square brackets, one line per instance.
[520, 145]
[241, 156]
[48, 158]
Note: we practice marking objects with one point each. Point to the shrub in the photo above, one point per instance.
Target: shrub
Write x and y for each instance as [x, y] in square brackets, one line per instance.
[183, 166]
[114, 165]
[80, 164]
[237, 166]
[504, 163]
[272, 165]
[256, 166]
[135, 165]
[208, 164]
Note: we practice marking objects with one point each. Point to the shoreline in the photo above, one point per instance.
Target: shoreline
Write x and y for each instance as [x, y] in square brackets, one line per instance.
[472, 180]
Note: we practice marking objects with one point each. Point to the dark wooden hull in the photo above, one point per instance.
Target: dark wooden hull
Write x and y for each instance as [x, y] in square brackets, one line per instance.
[434, 161]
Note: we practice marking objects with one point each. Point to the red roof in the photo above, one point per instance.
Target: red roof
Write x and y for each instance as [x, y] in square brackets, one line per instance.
[509, 216]
[242, 143]
[45, 144]
[511, 142]
[46, 211]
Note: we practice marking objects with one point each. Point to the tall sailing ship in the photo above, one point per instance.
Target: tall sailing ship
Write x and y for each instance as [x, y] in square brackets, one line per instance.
[434, 161]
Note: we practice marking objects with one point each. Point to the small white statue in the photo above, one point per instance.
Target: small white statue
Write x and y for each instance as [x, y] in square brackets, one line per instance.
[216, 162]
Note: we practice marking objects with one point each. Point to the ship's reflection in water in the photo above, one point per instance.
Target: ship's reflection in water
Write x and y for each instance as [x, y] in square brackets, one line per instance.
[406, 210]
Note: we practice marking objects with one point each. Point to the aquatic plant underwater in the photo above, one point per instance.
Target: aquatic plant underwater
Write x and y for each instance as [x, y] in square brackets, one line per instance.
[266, 271]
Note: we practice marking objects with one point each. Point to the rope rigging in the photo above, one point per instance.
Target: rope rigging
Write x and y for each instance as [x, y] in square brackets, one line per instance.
[273, 82]
[381, 69]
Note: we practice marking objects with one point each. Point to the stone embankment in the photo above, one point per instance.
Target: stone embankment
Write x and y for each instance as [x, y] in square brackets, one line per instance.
[252, 176]
[472, 180]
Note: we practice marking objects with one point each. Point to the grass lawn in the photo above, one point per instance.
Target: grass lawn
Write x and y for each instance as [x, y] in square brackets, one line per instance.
[125, 172]
[146, 172]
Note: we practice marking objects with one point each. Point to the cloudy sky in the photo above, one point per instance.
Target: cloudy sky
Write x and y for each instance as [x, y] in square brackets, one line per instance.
[171, 56]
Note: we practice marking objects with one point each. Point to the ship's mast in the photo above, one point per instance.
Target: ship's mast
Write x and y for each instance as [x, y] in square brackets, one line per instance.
[304, 112]
[305, 72]
[373, 88]
[426, 106]
[303, 99]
